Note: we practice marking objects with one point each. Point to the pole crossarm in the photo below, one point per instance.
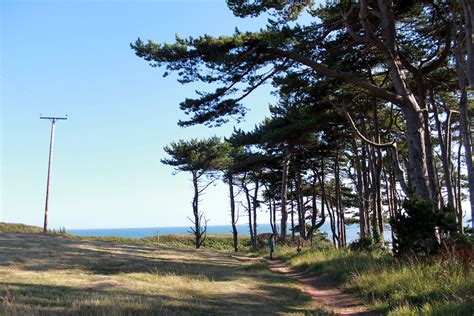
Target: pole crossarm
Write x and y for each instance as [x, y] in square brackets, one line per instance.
[52, 118]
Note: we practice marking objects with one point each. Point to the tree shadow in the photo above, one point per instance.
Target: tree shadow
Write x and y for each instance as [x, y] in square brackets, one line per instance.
[272, 294]
[44, 253]
[35, 299]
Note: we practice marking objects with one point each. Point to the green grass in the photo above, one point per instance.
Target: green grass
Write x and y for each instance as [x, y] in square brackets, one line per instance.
[19, 228]
[28, 229]
[212, 242]
[222, 243]
[394, 287]
[44, 274]
[64, 274]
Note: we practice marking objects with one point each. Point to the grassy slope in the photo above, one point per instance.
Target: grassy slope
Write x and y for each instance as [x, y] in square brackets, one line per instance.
[19, 228]
[213, 242]
[395, 288]
[51, 274]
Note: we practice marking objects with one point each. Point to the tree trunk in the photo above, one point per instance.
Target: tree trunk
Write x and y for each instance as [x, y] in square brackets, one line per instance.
[418, 158]
[234, 219]
[393, 200]
[254, 208]
[365, 182]
[362, 211]
[444, 146]
[458, 188]
[416, 153]
[374, 195]
[333, 221]
[275, 229]
[249, 213]
[292, 217]
[270, 213]
[298, 195]
[468, 13]
[315, 226]
[284, 193]
[378, 172]
[378, 189]
[197, 222]
[324, 201]
[465, 124]
[338, 198]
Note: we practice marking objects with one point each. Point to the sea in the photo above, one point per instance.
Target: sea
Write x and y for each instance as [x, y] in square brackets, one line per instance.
[352, 231]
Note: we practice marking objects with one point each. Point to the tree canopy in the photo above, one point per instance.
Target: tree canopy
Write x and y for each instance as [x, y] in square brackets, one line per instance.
[372, 110]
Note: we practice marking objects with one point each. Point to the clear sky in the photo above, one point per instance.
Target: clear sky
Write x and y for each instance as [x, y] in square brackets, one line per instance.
[74, 57]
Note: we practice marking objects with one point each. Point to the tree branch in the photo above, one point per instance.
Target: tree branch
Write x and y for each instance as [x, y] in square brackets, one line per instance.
[335, 74]
[392, 148]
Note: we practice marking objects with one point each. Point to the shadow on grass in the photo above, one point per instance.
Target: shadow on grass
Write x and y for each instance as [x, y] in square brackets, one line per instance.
[42, 253]
[271, 294]
[341, 269]
[34, 299]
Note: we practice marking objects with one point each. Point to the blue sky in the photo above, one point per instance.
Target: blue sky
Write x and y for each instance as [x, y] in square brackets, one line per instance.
[74, 57]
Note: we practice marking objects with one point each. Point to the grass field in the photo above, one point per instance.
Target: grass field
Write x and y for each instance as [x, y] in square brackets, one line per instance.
[53, 274]
[69, 275]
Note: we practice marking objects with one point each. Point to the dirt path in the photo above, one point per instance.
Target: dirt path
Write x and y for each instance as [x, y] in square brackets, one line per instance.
[323, 291]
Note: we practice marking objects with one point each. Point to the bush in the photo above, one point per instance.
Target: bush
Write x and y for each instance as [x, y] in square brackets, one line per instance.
[262, 240]
[366, 244]
[459, 250]
[214, 242]
[415, 229]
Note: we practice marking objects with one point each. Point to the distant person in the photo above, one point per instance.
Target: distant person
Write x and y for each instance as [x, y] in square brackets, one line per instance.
[271, 245]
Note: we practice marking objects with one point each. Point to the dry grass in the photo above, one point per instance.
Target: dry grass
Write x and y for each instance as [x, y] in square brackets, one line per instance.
[394, 287]
[44, 274]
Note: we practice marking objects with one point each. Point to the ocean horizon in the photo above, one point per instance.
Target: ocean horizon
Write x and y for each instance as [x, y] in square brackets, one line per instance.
[352, 231]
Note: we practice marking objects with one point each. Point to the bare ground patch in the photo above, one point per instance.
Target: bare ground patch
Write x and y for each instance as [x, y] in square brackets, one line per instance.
[323, 290]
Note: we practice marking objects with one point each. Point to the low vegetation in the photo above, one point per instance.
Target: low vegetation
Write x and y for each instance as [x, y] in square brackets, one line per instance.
[23, 228]
[59, 275]
[441, 286]
[19, 228]
[212, 242]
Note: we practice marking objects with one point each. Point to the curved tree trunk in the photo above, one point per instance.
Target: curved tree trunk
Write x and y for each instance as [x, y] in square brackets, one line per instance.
[418, 158]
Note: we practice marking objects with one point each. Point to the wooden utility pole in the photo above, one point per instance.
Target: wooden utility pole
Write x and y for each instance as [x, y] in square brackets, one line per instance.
[48, 184]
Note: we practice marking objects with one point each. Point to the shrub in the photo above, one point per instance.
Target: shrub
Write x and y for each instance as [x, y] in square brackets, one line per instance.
[415, 228]
[366, 244]
[262, 240]
[459, 250]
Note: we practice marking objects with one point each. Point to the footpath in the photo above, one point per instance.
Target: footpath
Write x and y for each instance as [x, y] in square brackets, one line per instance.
[323, 291]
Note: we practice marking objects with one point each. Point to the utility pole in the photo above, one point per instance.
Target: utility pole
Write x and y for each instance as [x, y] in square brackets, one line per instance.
[48, 184]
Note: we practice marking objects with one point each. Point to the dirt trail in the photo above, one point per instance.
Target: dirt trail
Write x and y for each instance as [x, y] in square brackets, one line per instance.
[323, 291]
